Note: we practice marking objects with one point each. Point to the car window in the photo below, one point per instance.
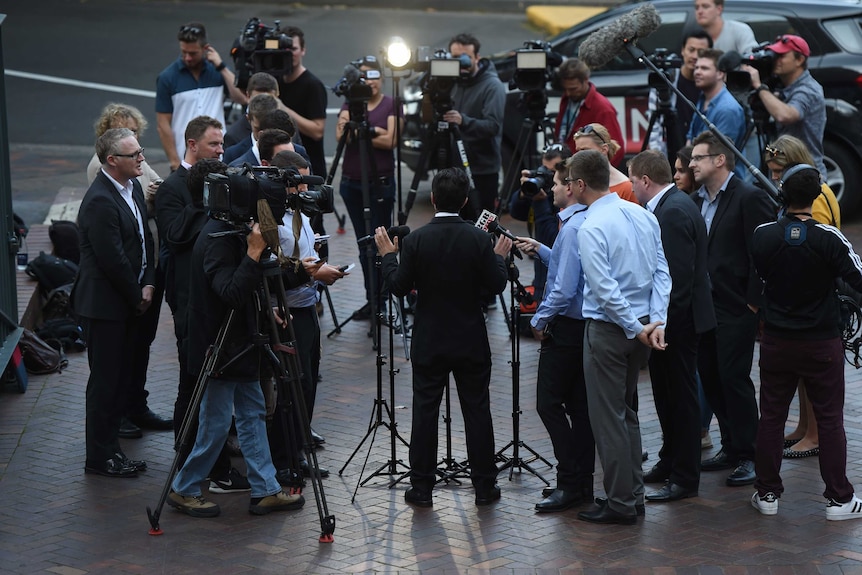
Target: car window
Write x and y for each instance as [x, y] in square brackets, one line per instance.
[667, 36]
[847, 32]
[766, 27]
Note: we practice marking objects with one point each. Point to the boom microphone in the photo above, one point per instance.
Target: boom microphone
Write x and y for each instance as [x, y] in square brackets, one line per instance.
[393, 232]
[605, 44]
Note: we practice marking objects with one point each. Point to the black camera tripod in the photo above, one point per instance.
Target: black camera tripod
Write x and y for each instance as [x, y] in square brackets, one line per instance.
[665, 113]
[286, 367]
[526, 154]
[517, 294]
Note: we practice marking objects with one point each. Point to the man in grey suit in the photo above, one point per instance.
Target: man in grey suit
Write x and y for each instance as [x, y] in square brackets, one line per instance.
[114, 287]
[690, 313]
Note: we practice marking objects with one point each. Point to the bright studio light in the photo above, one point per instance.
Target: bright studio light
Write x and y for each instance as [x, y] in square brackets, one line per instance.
[397, 53]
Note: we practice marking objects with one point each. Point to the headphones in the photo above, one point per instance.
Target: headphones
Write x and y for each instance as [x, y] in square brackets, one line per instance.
[786, 175]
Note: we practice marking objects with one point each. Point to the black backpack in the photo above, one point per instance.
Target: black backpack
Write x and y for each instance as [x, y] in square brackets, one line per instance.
[64, 238]
[51, 272]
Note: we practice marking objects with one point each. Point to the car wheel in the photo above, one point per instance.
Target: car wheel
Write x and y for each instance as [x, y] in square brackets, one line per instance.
[843, 177]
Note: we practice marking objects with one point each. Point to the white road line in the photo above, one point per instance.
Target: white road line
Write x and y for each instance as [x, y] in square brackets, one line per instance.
[80, 84]
[103, 87]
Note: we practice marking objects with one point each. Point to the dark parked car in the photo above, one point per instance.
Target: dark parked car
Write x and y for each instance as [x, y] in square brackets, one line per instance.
[833, 29]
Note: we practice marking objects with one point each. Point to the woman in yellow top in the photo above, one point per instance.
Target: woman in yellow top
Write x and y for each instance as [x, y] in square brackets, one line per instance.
[782, 154]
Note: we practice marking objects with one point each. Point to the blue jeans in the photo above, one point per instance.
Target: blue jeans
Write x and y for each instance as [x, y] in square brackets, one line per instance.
[220, 400]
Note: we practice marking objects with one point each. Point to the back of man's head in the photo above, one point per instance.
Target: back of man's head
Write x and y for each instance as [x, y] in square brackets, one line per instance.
[193, 32]
[288, 159]
[197, 127]
[108, 143]
[573, 69]
[449, 188]
[267, 140]
[716, 148]
[277, 120]
[653, 164]
[802, 187]
[197, 176]
[260, 105]
[263, 83]
[592, 167]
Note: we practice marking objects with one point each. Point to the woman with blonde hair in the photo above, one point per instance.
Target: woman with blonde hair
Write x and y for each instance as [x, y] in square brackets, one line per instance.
[596, 137]
[782, 154]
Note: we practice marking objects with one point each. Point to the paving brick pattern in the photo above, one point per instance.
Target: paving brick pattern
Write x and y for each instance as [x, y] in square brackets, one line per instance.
[54, 519]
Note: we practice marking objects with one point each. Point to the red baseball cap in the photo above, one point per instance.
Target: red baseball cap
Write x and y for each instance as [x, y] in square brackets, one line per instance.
[790, 43]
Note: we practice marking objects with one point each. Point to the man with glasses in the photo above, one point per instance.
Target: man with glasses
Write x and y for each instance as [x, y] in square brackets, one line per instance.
[561, 396]
[732, 210]
[191, 86]
[581, 105]
[114, 288]
[797, 107]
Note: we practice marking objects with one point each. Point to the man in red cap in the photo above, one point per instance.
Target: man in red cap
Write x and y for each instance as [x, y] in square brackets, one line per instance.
[797, 105]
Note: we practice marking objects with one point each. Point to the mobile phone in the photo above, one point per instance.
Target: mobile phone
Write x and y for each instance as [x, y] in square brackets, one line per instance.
[321, 239]
[347, 268]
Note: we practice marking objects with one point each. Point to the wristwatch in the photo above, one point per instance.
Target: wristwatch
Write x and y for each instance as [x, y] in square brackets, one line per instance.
[221, 66]
[762, 88]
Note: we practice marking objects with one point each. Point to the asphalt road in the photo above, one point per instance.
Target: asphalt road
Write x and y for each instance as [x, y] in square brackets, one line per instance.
[122, 46]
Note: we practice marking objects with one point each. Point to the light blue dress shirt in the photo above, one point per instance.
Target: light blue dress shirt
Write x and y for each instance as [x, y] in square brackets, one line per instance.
[625, 270]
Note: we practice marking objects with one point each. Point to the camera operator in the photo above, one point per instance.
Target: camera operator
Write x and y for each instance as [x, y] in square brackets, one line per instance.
[535, 202]
[797, 106]
[297, 240]
[478, 101]
[225, 274]
[382, 116]
[453, 267]
[581, 105]
[692, 42]
[561, 396]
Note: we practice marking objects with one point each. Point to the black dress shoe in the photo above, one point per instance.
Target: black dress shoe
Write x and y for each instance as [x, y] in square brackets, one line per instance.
[418, 497]
[149, 420]
[640, 510]
[129, 430]
[488, 497]
[136, 464]
[656, 475]
[559, 500]
[112, 467]
[306, 470]
[317, 439]
[671, 492]
[742, 475]
[718, 462]
[604, 514]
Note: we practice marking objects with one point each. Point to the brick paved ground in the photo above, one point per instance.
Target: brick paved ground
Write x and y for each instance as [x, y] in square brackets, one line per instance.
[55, 519]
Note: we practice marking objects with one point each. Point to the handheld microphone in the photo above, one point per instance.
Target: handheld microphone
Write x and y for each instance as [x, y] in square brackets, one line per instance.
[488, 222]
[605, 44]
[394, 232]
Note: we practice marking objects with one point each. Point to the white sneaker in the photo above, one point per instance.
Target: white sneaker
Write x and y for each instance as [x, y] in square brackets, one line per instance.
[766, 504]
[840, 511]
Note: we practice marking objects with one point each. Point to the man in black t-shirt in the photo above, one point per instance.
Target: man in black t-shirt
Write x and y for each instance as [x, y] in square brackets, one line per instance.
[305, 97]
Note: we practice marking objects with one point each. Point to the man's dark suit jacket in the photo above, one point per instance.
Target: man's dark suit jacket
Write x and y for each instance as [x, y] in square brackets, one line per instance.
[741, 208]
[453, 267]
[236, 133]
[107, 287]
[180, 219]
[248, 157]
[683, 236]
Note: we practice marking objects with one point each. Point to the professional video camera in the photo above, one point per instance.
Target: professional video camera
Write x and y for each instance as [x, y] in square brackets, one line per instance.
[666, 62]
[760, 58]
[261, 48]
[537, 180]
[353, 85]
[535, 66]
[233, 197]
[442, 71]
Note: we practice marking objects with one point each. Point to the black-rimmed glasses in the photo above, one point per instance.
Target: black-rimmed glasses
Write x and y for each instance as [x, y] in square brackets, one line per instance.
[134, 155]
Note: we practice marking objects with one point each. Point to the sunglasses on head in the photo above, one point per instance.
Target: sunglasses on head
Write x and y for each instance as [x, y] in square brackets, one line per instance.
[590, 130]
[191, 32]
[792, 42]
[773, 152]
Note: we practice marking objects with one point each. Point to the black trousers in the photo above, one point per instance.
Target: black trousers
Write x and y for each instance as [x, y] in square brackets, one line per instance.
[724, 363]
[561, 398]
[472, 378]
[144, 336]
[110, 353]
[674, 389]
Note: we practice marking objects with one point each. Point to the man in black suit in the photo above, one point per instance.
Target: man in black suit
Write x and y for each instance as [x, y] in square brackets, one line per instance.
[731, 210]
[454, 268]
[690, 313]
[114, 287]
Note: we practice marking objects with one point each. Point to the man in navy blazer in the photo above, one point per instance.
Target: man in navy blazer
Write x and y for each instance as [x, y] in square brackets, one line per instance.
[690, 314]
[114, 287]
[731, 210]
[454, 268]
